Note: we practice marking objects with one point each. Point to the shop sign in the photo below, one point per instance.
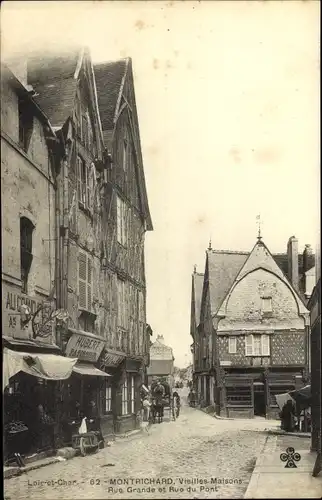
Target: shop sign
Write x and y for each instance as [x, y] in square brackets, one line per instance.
[84, 348]
[112, 359]
[12, 301]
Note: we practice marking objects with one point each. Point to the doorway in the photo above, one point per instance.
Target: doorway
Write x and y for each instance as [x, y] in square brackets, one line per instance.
[259, 400]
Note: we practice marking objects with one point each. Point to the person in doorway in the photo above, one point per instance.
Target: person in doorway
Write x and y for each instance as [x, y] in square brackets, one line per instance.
[287, 417]
[94, 423]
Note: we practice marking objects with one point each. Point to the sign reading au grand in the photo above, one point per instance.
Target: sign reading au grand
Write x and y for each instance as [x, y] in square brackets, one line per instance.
[12, 300]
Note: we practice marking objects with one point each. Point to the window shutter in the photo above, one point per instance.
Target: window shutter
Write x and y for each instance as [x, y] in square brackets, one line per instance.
[249, 345]
[82, 275]
[89, 284]
[265, 345]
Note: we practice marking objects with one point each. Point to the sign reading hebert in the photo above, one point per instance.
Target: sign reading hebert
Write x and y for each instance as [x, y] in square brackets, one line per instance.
[84, 348]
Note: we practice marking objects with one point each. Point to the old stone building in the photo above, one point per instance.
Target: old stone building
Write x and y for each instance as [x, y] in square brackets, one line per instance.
[254, 329]
[161, 361]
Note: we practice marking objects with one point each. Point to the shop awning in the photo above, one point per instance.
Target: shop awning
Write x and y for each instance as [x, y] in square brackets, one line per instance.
[46, 366]
[87, 369]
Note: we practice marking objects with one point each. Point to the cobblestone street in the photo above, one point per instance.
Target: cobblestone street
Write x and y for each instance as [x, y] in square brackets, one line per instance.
[194, 457]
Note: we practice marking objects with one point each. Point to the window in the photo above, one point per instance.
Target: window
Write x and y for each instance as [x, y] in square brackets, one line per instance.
[85, 184]
[125, 153]
[128, 395]
[107, 397]
[141, 316]
[232, 345]
[82, 181]
[84, 129]
[121, 305]
[84, 281]
[86, 321]
[90, 133]
[125, 400]
[121, 222]
[25, 123]
[257, 345]
[26, 230]
[267, 306]
[132, 394]
[78, 118]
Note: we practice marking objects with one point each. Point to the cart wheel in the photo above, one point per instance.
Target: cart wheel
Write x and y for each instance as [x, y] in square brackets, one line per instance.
[82, 447]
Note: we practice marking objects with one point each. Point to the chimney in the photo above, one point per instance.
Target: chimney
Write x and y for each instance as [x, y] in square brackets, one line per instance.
[293, 262]
[160, 339]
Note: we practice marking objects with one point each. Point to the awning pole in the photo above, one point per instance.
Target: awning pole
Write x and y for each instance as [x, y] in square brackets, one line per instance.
[82, 393]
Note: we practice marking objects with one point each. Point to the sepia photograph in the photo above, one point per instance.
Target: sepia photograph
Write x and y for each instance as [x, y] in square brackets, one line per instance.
[161, 267]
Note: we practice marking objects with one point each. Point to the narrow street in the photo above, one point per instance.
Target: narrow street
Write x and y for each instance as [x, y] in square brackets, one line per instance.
[198, 456]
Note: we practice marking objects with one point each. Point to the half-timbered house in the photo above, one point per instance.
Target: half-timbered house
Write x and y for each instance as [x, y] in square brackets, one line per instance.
[101, 214]
[125, 220]
[256, 327]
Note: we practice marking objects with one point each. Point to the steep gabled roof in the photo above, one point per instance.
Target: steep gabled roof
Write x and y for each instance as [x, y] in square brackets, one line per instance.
[223, 267]
[110, 80]
[52, 77]
[260, 257]
[197, 288]
[109, 77]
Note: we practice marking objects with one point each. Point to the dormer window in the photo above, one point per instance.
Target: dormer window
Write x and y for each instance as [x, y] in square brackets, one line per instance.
[267, 306]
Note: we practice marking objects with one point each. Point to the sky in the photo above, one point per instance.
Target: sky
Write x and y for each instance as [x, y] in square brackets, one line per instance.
[228, 103]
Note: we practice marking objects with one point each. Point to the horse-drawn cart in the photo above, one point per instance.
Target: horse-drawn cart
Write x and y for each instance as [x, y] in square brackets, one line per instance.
[162, 399]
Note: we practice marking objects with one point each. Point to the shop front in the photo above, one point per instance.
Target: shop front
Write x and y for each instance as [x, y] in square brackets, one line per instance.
[110, 362]
[32, 372]
[252, 392]
[127, 402]
[81, 394]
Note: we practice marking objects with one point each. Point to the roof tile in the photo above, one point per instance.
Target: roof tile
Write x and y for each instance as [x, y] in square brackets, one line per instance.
[223, 267]
[109, 78]
[52, 77]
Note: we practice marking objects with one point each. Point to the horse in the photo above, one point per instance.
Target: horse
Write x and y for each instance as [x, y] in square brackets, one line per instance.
[156, 412]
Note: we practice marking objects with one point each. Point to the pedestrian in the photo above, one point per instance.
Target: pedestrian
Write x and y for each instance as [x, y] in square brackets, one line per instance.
[158, 393]
[94, 423]
[177, 402]
[287, 417]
